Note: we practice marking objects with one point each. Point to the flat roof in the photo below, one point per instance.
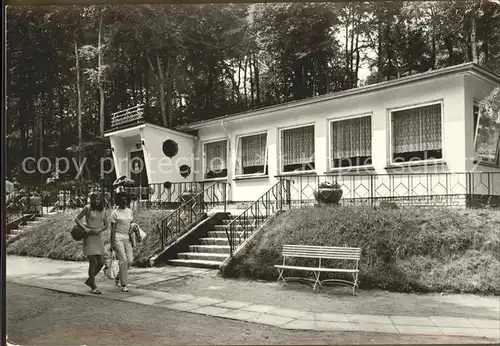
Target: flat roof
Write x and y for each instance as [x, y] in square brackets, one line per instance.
[467, 67]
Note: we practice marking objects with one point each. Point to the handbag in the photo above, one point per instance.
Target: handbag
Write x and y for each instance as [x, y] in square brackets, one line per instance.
[140, 234]
[77, 233]
[111, 266]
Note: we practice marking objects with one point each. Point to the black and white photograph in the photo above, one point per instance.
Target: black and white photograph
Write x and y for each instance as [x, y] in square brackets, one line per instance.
[260, 173]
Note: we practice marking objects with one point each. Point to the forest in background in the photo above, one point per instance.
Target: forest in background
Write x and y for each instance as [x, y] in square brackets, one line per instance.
[69, 67]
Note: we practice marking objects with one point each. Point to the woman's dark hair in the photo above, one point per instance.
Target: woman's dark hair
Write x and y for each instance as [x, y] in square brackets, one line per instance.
[94, 204]
[122, 199]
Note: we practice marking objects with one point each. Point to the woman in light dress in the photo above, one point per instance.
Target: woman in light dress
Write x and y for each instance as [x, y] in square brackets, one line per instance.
[96, 222]
[122, 237]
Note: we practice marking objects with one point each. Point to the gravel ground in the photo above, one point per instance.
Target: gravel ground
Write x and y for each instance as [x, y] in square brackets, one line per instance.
[43, 317]
[300, 296]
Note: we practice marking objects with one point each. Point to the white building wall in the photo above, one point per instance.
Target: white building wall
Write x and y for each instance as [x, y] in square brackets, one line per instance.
[449, 90]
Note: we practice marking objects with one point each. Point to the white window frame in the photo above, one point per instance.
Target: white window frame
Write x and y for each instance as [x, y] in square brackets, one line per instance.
[280, 149]
[474, 104]
[416, 162]
[204, 155]
[266, 164]
[330, 149]
[478, 160]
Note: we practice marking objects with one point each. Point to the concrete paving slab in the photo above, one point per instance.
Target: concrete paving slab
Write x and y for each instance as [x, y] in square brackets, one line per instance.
[180, 306]
[374, 328]
[484, 324]
[233, 304]
[419, 330]
[202, 301]
[145, 300]
[373, 319]
[300, 325]
[271, 320]
[212, 311]
[242, 315]
[258, 308]
[412, 321]
[331, 317]
[179, 297]
[451, 322]
[458, 331]
[297, 314]
[491, 334]
[334, 326]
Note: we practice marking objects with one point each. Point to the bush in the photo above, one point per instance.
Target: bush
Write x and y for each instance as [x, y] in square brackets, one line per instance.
[402, 249]
[52, 238]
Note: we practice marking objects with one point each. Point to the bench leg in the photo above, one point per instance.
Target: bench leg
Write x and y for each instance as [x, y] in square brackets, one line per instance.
[316, 275]
[280, 277]
[355, 285]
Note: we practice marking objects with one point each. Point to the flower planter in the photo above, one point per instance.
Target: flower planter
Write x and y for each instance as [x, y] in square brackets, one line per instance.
[328, 193]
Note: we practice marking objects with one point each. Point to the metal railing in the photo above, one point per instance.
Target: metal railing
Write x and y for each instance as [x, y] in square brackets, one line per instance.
[127, 116]
[243, 225]
[192, 211]
[412, 189]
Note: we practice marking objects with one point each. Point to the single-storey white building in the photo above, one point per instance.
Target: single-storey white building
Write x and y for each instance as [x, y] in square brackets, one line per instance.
[415, 136]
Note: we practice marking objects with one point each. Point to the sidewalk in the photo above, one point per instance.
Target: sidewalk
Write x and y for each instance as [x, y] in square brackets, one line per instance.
[296, 306]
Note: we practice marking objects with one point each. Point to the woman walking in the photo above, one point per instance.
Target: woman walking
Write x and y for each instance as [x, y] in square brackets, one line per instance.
[96, 222]
[122, 239]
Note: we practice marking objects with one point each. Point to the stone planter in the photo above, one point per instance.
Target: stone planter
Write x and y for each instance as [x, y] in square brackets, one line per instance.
[187, 196]
[328, 195]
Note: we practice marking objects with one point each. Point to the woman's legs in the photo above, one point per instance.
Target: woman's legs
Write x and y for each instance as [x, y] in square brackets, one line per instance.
[124, 255]
[96, 262]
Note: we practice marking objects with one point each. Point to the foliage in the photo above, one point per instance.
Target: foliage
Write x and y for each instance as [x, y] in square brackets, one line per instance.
[52, 238]
[188, 62]
[329, 185]
[402, 250]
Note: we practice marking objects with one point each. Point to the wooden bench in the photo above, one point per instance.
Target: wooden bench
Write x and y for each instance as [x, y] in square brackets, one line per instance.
[326, 253]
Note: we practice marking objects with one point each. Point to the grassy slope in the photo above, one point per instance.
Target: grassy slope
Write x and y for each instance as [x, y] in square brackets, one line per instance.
[52, 238]
[402, 250]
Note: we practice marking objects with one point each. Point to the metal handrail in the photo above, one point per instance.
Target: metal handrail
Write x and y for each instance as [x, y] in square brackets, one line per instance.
[277, 191]
[193, 209]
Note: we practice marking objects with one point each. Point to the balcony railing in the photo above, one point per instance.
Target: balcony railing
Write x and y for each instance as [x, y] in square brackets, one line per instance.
[127, 116]
[415, 189]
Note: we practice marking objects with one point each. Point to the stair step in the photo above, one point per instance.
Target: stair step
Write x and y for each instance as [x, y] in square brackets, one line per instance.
[217, 249]
[16, 231]
[236, 227]
[214, 241]
[220, 234]
[202, 256]
[195, 263]
[241, 221]
[25, 227]
[12, 236]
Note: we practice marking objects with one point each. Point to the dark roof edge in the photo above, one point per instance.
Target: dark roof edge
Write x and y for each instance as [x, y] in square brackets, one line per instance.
[350, 92]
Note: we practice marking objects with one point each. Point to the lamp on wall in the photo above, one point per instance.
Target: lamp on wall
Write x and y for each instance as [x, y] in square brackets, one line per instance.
[138, 144]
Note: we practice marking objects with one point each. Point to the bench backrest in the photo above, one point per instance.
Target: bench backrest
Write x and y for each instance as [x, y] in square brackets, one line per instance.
[324, 252]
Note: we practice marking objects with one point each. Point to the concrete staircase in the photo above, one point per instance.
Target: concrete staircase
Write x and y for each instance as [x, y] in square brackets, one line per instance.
[25, 226]
[211, 249]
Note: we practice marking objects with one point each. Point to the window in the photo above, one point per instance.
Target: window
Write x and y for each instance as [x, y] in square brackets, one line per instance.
[351, 142]
[417, 134]
[251, 157]
[487, 139]
[215, 164]
[475, 112]
[297, 149]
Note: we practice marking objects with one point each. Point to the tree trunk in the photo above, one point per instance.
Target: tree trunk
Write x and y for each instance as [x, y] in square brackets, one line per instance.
[257, 81]
[79, 104]
[245, 82]
[473, 39]
[161, 87]
[100, 79]
[380, 53]
[170, 112]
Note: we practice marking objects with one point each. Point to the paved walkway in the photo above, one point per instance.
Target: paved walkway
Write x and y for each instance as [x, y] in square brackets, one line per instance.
[68, 277]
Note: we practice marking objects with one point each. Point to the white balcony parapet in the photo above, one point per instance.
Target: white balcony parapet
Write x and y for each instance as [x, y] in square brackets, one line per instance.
[128, 115]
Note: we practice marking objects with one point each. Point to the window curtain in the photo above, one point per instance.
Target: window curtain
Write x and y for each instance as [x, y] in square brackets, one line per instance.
[251, 152]
[417, 129]
[351, 138]
[215, 156]
[297, 145]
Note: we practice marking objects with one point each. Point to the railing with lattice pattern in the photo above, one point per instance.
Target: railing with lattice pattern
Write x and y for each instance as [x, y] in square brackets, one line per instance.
[126, 116]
